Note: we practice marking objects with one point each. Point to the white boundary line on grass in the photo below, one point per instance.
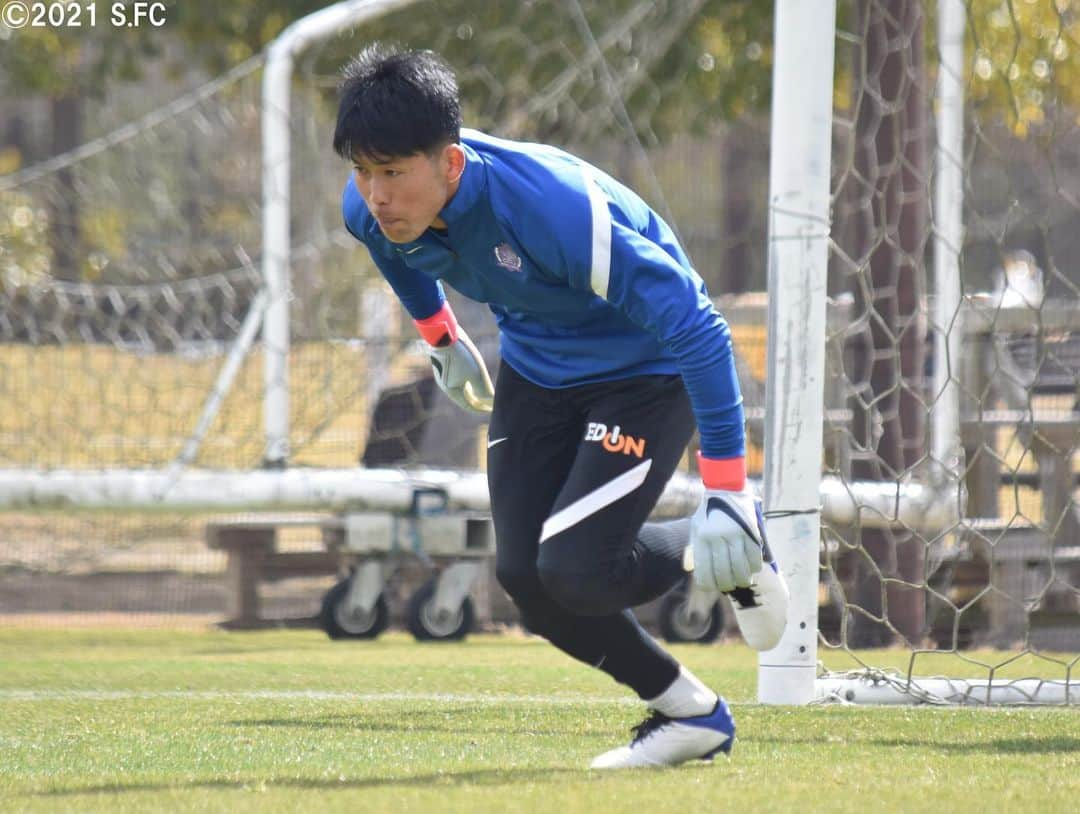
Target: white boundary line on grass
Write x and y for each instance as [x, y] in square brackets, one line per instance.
[489, 699]
[300, 695]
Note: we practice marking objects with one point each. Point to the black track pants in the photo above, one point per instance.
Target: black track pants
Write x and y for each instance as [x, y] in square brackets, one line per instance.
[573, 475]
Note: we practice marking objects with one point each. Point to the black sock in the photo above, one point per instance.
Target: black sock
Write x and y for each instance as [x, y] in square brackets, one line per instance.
[660, 548]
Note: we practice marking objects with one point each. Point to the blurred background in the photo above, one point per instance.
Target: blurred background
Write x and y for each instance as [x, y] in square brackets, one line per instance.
[131, 197]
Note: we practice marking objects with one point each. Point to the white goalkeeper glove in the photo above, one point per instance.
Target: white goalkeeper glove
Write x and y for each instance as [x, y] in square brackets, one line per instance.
[727, 540]
[459, 368]
[729, 553]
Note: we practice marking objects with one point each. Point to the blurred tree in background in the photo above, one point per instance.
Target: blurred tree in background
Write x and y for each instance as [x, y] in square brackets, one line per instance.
[73, 67]
[703, 74]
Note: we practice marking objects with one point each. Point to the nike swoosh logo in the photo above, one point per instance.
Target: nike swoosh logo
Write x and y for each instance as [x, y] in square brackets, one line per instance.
[412, 250]
[719, 505]
[766, 552]
[496, 441]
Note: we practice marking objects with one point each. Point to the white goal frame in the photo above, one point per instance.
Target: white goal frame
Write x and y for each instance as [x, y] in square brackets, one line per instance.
[277, 204]
[799, 184]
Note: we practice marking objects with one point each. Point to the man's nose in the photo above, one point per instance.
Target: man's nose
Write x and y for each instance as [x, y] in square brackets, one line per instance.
[380, 192]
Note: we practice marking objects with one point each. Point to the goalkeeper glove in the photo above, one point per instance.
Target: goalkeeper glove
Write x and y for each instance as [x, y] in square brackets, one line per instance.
[729, 552]
[459, 369]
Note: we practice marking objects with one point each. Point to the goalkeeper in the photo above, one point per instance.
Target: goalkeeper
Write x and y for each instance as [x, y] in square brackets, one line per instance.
[611, 350]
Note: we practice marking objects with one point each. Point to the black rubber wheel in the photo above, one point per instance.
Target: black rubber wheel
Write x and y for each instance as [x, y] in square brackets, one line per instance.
[426, 626]
[676, 625]
[340, 624]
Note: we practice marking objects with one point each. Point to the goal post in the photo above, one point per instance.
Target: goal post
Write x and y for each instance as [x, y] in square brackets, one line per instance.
[277, 200]
[798, 274]
[948, 242]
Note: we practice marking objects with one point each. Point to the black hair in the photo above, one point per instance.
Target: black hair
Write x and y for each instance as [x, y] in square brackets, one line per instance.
[396, 103]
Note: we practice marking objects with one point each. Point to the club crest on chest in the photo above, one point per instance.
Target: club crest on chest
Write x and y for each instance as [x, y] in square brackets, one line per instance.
[506, 257]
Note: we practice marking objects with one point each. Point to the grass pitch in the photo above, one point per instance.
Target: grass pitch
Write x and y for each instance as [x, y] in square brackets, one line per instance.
[289, 721]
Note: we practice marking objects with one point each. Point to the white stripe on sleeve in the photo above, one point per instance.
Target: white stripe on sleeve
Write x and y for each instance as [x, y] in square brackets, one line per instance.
[596, 500]
[601, 235]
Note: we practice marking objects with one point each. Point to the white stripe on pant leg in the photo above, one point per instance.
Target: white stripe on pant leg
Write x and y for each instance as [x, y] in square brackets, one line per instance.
[596, 500]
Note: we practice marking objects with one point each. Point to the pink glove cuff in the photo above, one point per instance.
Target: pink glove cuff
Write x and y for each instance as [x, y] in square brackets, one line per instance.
[440, 329]
[728, 474]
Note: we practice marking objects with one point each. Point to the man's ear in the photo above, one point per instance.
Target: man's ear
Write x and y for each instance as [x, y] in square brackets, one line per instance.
[454, 156]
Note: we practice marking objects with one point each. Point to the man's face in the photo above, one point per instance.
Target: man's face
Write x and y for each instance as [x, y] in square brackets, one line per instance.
[406, 193]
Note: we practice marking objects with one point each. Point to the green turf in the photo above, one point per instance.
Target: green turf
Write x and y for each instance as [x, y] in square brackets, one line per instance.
[149, 720]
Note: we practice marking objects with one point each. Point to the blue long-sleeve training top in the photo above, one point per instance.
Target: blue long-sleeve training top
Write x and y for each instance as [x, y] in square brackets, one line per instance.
[586, 282]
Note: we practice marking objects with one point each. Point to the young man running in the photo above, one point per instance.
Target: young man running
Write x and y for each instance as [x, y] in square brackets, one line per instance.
[611, 350]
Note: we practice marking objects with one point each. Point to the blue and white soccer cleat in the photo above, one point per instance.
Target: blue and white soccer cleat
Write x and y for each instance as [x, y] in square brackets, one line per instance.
[761, 610]
[728, 548]
[663, 741]
[761, 607]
